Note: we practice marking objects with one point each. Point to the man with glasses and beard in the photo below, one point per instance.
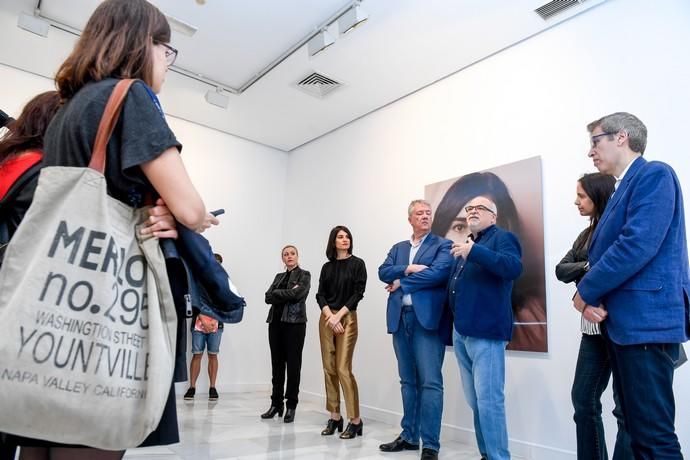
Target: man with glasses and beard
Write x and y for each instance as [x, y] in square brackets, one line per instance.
[479, 293]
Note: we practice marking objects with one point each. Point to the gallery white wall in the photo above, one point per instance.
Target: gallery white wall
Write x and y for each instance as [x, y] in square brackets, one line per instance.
[534, 98]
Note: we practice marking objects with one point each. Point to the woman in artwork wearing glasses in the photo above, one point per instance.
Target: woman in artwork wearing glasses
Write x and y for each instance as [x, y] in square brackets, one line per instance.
[450, 222]
[123, 39]
[287, 326]
[593, 370]
[341, 286]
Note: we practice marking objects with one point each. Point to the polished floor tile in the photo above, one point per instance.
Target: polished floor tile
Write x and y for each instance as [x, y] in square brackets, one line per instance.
[230, 429]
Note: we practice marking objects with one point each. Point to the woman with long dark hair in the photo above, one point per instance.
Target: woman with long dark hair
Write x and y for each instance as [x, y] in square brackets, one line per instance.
[593, 369]
[287, 326]
[341, 286]
[123, 39]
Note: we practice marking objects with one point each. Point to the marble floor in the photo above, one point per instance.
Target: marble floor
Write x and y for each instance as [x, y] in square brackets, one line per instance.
[230, 429]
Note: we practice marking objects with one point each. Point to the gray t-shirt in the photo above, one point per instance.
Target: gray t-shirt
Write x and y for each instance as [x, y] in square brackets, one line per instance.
[141, 135]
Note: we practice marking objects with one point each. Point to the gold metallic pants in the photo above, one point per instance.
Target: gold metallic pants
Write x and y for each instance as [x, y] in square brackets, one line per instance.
[336, 355]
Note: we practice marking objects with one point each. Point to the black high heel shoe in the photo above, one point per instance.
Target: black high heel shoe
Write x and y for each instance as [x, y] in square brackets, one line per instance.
[353, 430]
[331, 426]
[289, 415]
[272, 411]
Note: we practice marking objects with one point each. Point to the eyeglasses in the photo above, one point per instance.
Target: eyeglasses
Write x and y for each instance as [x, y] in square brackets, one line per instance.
[595, 139]
[479, 207]
[170, 54]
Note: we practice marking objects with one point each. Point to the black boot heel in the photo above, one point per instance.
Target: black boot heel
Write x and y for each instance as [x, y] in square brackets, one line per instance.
[353, 430]
[331, 426]
[272, 411]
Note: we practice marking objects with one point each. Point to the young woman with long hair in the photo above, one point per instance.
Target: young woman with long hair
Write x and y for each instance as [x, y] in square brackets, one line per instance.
[123, 39]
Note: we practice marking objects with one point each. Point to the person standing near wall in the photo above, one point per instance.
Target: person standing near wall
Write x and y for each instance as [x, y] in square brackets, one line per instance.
[479, 293]
[287, 326]
[206, 334]
[416, 272]
[638, 287]
[593, 370]
[341, 286]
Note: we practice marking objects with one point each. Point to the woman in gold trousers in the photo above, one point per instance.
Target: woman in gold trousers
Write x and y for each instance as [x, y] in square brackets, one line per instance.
[341, 286]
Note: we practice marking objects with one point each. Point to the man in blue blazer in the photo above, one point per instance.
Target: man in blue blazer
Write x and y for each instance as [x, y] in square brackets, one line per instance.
[479, 293]
[416, 272]
[638, 285]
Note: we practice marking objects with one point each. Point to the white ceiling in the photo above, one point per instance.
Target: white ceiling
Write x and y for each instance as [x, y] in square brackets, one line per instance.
[404, 46]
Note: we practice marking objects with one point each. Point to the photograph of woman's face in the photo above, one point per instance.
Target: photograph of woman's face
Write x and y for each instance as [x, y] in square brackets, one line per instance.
[516, 190]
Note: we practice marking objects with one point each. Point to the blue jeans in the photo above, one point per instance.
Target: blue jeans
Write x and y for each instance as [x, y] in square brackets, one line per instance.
[420, 355]
[210, 341]
[592, 376]
[482, 371]
[643, 376]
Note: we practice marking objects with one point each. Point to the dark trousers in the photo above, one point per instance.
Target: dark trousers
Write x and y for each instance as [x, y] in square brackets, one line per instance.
[7, 448]
[643, 376]
[592, 376]
[286, 341]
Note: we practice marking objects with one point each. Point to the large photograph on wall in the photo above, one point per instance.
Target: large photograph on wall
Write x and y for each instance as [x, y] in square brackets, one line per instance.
[516, 188]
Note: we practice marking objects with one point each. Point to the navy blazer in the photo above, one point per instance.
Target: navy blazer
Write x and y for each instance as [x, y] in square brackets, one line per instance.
[480, 287]
[426, 287]
[639, 259]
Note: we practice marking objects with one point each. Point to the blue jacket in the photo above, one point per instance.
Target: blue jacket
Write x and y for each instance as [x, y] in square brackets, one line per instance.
[480, 287]
[426, 287]
[639, 259]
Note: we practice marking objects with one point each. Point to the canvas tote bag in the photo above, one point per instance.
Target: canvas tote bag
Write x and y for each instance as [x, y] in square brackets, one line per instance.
[87, 320]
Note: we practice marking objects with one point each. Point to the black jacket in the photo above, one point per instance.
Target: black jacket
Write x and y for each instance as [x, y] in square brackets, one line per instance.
[293, 297]
[574, 265]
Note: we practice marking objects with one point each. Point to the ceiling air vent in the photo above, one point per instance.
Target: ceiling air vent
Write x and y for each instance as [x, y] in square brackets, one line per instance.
[555, 7]
[318, 85]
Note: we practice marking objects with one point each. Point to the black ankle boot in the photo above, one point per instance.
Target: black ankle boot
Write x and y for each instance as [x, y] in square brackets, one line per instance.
[272, 411]
[331, 426]
[353, 430]
[289, 415]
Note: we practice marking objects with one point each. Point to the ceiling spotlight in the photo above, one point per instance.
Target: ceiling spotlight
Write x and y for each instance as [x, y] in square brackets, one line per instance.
[320, 42]
[33, 24]
[351, 19]
[217, 98]
[181, 26]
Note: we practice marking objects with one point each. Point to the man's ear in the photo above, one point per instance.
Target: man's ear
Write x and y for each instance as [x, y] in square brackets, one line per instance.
[621, 137]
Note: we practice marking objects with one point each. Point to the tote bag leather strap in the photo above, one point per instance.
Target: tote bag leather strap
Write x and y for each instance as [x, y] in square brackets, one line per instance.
[108, 121]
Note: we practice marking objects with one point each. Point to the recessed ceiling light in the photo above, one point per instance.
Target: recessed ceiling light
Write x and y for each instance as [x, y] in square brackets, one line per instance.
[181, 26]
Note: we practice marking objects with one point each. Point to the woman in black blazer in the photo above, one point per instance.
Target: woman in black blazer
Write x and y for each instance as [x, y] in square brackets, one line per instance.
[287, 326]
